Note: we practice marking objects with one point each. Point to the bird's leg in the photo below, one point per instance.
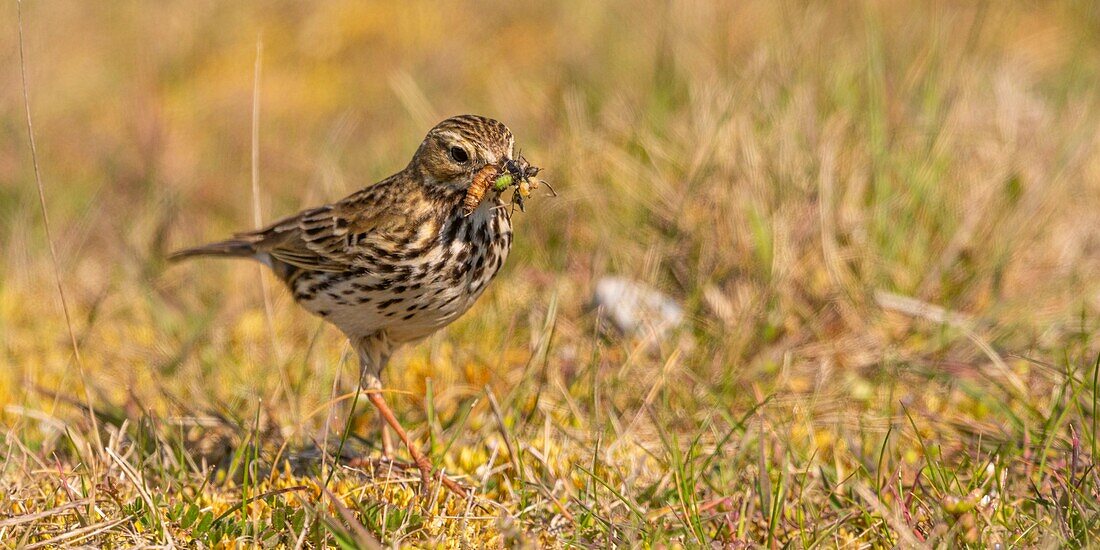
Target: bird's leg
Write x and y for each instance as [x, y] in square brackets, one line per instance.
[373, 356]
[373, 389]
[422, 462]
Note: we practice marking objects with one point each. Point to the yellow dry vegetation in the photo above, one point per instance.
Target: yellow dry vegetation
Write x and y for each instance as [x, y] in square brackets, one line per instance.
[879, 217]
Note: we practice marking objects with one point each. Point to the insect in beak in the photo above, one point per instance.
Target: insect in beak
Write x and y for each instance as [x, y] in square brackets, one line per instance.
[515, 172]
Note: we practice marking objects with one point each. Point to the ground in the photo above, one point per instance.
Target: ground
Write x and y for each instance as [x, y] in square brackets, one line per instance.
[879, 216]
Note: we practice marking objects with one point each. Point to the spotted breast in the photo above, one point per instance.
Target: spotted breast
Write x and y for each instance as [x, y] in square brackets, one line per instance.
[419, 287]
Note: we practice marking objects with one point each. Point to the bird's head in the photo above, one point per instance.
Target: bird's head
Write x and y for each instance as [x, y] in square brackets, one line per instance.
[458, 147]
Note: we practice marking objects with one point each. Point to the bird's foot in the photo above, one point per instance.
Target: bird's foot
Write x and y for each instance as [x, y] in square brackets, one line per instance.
[427, 472]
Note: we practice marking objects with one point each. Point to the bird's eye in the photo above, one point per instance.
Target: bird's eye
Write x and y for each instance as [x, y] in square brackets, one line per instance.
[459, 155]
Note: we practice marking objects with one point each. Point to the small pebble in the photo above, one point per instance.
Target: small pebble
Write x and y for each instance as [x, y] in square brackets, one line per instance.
[636, 309]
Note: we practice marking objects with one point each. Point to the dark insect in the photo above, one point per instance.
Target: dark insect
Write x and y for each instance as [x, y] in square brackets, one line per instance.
[519, 172]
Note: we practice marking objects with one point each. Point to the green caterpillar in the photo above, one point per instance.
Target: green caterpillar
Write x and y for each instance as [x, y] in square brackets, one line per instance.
[502, 182]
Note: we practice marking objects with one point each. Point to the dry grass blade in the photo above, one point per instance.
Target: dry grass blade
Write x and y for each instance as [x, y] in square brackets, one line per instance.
[892, 517]
[71, 537]
[362, 537]
[257, 214]
[49, 233]
[44, 514]
[498, 415]
[138, 482]
[936, 314]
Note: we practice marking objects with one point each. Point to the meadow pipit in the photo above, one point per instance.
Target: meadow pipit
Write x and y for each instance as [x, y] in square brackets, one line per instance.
[402, 258]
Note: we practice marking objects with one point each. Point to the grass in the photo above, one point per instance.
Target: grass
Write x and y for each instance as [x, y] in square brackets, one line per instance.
[879, 217]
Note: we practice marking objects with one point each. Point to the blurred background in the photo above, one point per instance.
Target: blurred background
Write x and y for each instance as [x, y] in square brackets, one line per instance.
[878, 217]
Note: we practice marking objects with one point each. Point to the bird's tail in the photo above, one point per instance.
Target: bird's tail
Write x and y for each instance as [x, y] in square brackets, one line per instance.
[232, 248]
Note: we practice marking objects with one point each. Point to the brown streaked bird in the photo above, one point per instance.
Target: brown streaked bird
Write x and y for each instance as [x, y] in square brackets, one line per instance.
[398, 260]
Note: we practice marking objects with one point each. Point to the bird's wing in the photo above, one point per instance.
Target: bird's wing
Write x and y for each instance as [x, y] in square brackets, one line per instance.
[333, 237]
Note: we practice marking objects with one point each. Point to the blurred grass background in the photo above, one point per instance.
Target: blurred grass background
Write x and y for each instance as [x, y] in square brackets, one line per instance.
[879, 215]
